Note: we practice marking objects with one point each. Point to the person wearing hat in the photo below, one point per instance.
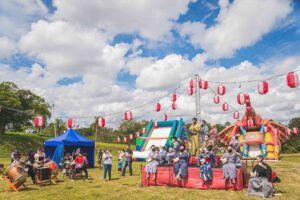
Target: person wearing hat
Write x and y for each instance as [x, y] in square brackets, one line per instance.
[194, 133]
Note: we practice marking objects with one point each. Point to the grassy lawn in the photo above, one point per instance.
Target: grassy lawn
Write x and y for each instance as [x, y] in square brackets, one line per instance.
[288, 169]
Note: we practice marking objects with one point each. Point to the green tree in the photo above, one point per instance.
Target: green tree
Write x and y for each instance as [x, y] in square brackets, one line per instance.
[60, 127]
[293, 145]
[25, 100]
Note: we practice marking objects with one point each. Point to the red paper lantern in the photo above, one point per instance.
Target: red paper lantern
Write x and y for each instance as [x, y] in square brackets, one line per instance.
[144, 130]
[165, 117]
[221, 89]
[217, 99]
[242, 97]
[118, 139]
[101, 122]
[292, 80]
[225, 107]
[191, 83]
[155, 124]
[128, 115]
[130, 136]
[173, 97]
[39, 121]
[137, 134]
[190, 91]
[71, 123]
[276, 132]
[296, 130]
[125, 139]
[174, 106]
[287, 131]
[203, 84]
[157, 107]
[236, 115]
[263, 87]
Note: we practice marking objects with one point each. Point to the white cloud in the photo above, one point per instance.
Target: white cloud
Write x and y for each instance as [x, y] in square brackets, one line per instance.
[239, 24]
[16, 16]
[7, 47]
[151, 18]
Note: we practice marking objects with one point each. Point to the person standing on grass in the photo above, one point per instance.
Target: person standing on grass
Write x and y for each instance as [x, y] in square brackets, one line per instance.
[128, 161]
[107, 164]
[121, 160]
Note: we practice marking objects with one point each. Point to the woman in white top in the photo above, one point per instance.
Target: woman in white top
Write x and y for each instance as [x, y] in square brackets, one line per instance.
[107, 164]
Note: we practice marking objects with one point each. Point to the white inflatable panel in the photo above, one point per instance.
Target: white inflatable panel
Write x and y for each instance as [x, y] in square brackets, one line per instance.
[254, 150]
[157, 133]
[140, 154]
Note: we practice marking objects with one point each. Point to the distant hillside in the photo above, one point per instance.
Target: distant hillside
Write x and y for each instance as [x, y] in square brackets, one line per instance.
[23, 141]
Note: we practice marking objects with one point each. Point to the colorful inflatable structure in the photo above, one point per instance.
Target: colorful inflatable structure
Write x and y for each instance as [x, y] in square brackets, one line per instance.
[258, 136]
[159, 134]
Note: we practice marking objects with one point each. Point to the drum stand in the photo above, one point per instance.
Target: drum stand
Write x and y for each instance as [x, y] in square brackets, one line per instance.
[12, 186]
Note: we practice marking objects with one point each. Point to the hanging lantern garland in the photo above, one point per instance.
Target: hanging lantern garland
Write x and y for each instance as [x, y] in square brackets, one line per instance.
[221, 90]
[144, 130]
[125, 139]
[174, 106]
[217, 99]
[242, 97]
[190, 91]
[157, 107]
[191, 85]
[225, 107]
[236, 115]
[118, 139]
[288, 132]
[165, 117]
[70, 123]
[203, 84]
[292, 79]
[296, 131]
[173, 97]
[101, 122]
[39, 121]
[263, 87]
[128, 116]
[130, 136]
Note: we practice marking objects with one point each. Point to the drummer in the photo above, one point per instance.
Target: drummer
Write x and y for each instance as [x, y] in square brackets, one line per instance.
[39, 157]
[15, 155]
[29, 161]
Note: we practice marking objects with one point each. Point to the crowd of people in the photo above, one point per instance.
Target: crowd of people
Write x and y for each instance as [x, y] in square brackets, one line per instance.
[203, 144]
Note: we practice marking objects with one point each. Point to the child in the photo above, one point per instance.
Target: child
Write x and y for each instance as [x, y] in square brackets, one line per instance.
[121, 160]
[205, 170]
[67, 165]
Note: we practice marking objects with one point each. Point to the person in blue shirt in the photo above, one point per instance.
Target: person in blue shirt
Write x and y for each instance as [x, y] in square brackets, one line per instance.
[128, 161]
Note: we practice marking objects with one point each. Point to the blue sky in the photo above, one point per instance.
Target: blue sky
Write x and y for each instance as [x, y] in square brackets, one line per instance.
[112, 51]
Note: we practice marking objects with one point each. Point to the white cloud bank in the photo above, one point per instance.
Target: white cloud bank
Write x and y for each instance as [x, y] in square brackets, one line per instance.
[239, 24]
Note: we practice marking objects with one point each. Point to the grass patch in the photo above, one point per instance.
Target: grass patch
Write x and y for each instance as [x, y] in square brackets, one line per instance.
[288, 169]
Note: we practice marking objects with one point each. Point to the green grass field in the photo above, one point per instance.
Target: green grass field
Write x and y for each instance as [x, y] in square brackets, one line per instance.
[288, 169]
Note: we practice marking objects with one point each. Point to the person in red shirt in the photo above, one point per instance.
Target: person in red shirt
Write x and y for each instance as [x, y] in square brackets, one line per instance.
[80, 163]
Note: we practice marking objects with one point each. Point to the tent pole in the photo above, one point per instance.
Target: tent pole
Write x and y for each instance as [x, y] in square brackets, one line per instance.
[96, 132]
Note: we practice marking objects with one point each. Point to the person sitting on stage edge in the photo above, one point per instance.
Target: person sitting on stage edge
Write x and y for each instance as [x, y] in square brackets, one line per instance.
[152, 162]
[29, 161]
[229, 161]
[107, 164]
[162, 155]
[128, 161]
[80, 165]
[181, 163]
[260, 183]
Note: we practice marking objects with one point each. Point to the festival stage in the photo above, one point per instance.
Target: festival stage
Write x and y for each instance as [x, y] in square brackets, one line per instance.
[166, 177]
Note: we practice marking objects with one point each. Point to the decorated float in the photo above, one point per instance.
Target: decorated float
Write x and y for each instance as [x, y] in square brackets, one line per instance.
[257, 136]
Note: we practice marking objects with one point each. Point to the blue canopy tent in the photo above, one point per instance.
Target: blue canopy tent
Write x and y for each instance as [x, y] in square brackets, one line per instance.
[67, 143]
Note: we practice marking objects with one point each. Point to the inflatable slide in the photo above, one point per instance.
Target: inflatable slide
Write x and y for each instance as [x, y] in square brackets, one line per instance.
[159, 134]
